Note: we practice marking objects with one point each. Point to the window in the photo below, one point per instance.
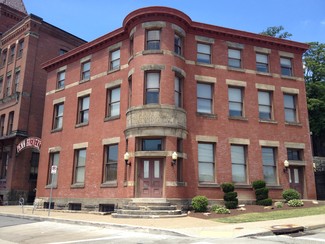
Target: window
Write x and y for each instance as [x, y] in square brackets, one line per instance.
[3, 57]
[131, 45]
[178, 91]
[206, 162]
[264, 105]
[269, 165]
[58, 116]
[4, 165]
[12, 53]
[20, 49]
[178, 44]
[130, 92]
[60, 79]
[83, 110]
[10, 123]
[17, 77]
[2, 124]
[204, 98]
[203, 53]
[110, 164]
[1, 84]
[262, 63]
[80, 165]
[152, 144]
[115, 59]
[290, 108]
[85, 71]
[286, 66]
[54, 161]
[153, 40]
[238, 161]
[62, 51]
[235, 102]
[152, 87]
[294, 154]
[180, 177]
[234, 59]
[113, 102]
[8, 85]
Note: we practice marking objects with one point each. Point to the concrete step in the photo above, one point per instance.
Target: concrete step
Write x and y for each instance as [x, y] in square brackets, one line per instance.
[130, 216]
[148, 204]
[149, 212]
[150, 207]
[147, 200]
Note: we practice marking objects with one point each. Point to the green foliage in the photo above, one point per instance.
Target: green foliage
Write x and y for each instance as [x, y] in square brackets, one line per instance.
[264, 202]
[276, 31]
[316, 106]
[295, 203]
[231, 204]
[220, 209]
[230, 196]
[200, 203]
[261, 193]
[227, 187]
[258, 184]
[278, 204]
[290, 194]
[314, 61]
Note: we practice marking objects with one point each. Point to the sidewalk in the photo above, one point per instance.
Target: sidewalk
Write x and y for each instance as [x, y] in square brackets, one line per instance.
[189, 226]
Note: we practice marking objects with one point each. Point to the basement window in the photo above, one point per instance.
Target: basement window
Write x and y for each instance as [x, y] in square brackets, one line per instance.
[75, 206]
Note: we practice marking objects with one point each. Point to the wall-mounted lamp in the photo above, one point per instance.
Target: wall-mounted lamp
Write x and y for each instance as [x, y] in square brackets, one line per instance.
[126, 158]
[286, 165]
[174, 158]
[314, 167]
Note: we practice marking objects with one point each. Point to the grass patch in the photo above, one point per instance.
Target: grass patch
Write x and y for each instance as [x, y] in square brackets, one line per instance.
[278, 214]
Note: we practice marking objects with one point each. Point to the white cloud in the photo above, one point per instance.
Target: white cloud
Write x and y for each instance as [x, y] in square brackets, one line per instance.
[322, 22]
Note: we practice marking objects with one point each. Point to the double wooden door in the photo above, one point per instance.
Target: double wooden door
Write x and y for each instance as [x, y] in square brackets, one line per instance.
[150, 178]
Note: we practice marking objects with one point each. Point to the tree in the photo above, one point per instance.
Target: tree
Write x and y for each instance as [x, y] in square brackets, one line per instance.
[276, 31]
[314, 61]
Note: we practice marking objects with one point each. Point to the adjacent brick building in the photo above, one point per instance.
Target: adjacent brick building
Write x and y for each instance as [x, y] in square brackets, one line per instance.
[26, 42]
[230, 105]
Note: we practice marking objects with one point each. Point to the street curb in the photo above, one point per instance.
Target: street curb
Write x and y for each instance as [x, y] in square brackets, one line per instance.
[143, 229]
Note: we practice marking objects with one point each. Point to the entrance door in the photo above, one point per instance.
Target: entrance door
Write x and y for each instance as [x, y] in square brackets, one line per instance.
[150, 178]
[296, 179]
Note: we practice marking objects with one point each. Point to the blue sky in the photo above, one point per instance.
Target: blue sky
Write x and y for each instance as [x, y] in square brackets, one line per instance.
[304, 19]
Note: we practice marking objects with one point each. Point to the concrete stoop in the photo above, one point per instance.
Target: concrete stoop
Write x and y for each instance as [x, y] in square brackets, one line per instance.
[148, 208]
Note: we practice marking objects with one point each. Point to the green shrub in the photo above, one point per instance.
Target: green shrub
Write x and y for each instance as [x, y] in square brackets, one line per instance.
[295, 203]
[231, 204]
[258, 184]
[220, 209]
[200, 203]
[264, 202]
[227, 187]
[262, 193]
[290, 194]
[230, 196]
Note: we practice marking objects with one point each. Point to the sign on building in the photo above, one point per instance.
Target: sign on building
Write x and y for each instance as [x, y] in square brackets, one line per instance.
[30, 142]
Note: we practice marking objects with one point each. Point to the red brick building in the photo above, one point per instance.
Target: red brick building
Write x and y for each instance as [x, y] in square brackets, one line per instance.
[231, 106]
[26, 42]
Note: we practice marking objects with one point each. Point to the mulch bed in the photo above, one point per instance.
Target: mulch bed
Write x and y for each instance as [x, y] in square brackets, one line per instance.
[249, 209]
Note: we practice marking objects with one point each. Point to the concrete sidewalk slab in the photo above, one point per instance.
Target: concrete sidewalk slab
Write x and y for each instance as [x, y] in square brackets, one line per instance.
[189, 226]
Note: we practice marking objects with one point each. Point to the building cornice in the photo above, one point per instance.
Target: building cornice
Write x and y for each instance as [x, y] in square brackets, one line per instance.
[181, 19]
